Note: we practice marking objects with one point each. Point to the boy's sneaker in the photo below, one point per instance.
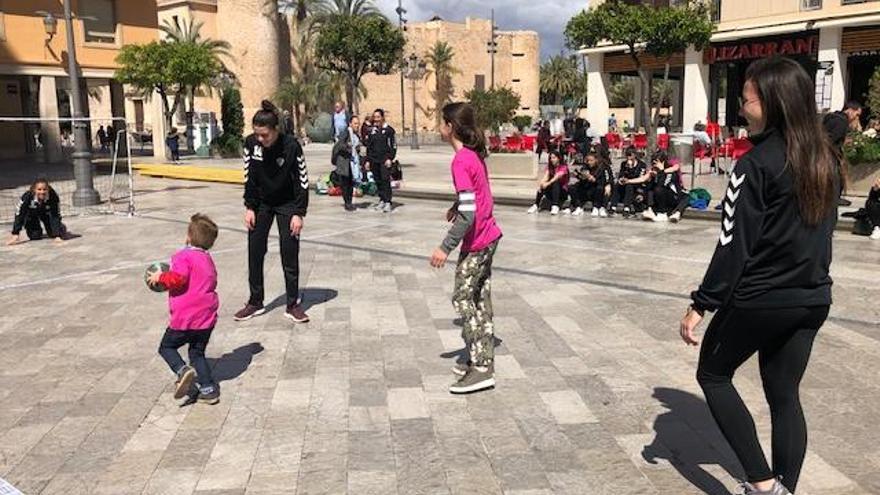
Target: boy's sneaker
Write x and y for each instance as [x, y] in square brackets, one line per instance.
[532, 210]
[249, 311]
[473, 381]
[554, 210]
[566, 211]
[212, 397]
[386, 208]
[603, 212]
[296, 313]
[876, 233]
[578, 211]
[778, 489]
[378, 206]
[675, 217]
[185, 378]
[595, 212]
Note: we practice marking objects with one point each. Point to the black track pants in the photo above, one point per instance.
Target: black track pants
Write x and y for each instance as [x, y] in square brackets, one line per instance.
[258, 240]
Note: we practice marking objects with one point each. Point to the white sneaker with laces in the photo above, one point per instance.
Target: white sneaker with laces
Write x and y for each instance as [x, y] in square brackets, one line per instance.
[566, 211]
[595, 212]
[876, 233]
[661, 217]
[649, 214]
[578, 211]
[554, 210]
[603, 212]
[675, 217]
[532, 210]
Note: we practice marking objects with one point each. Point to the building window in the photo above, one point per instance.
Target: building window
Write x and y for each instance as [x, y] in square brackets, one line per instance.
[716, 10]
[2, 27]
[514, 80]
[480, 82]
[525, 109]
[850, 2]
[811, 4]
[517, 54]
[99, 21]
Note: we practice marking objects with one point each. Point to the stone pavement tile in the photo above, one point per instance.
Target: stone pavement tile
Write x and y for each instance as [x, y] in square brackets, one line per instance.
[369, 419]
[508, 368]
[372, 482]
[97, 451]
[568, 407]
[575, 483]
[519, 472]
[94, 404]
[272, 483]
[367, 393]
[16, 442]
[158, 428]
[80, 483]
[172, 482]
[370, 451]
[417, 457]
[467, 465]
[128, 473]
[407, 403]
[189, 449]
[229, 466]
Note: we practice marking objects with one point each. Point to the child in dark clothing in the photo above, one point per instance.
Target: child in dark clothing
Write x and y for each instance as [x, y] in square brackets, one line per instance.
[173, 142]
[594, 180]
[38, 208]
[632, 195]
[193, 305]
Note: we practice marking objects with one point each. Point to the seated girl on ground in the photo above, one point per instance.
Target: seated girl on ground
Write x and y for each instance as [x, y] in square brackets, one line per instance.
[594, 184]
[39, 207]
[553, 184]
[666, 198]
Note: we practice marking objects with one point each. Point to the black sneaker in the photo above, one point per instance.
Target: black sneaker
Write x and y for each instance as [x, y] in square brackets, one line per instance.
[185, 378]
[474, 381]
[249, 311]
[211, 397]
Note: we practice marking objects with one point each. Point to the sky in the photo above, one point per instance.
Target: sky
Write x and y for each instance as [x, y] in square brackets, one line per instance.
[547, 17]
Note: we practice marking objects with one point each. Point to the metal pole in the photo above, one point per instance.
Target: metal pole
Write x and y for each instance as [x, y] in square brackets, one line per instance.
[85, 193]
[415, 131]
[492, 51]
[400, 12]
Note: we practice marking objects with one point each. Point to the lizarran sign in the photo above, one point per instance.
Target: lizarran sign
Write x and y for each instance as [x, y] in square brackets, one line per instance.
[803, 44]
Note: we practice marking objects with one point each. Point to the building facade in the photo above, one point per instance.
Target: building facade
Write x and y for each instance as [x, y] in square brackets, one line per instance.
[517, 64]
[33, 68]
[836, 41]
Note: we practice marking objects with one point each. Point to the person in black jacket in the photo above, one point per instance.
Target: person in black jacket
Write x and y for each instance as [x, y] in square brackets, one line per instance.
[38, 208]
[276, 188]
[381, 152]
[594, 179]
[629, 191]
[769, 277]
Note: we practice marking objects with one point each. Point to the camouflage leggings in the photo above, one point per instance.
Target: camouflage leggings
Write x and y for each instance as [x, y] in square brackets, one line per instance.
[472, 300]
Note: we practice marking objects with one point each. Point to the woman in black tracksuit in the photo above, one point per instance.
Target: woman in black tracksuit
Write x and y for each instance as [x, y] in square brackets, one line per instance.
[769, 277]
[381, 152]
[629, 190]
[276, 189]
[666, 198]
[594, 182]
[39, 207]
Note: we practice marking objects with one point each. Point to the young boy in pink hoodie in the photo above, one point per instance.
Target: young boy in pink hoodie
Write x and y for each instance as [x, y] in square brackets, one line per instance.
[193, 305]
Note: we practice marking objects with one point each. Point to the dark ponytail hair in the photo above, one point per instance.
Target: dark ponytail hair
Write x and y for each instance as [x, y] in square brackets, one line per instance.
[266, 116]
[462, 118]
[660, 156]
[786, 94]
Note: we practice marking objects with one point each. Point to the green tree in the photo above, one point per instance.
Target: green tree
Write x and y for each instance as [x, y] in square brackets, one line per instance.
[872, 98]
[440, 59]
[347, 8]
[354, 46]
[559, 79]
[493, 107]
[661, 32]
[232, 117]
[190, 32]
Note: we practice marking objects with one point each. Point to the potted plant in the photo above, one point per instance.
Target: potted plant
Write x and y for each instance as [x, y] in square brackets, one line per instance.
[495, 107]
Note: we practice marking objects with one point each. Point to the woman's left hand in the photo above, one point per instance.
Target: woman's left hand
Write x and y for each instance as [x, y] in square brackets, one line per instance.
[438, 258]
[296, 225]
[689, 323]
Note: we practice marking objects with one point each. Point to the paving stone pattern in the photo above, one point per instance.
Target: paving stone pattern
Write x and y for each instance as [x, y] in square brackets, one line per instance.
[596, 394]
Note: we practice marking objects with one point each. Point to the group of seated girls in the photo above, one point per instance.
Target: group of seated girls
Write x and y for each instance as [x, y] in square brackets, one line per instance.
[655, 192]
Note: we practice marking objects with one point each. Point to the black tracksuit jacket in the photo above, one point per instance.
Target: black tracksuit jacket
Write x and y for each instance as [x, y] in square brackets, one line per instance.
[381, 144]
[767, 257]
[276, 176]
[32, 212]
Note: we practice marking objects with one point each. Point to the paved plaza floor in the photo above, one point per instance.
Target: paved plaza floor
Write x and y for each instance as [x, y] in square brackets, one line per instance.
[596, 394]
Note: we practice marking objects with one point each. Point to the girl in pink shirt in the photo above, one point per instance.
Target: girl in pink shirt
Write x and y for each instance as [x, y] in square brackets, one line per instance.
[193, 305]
[553, 185]
[474, 226]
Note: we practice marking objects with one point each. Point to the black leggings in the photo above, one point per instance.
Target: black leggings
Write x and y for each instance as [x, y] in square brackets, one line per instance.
[590, 191]
[258, 240]
[663, 200]
[347, 186]
[554, 193]
[783, 339]
[873, 209]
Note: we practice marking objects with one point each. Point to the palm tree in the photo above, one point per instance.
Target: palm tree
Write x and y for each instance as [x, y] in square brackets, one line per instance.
[440, 59]
[559, 78]
[189, 32]
[347, 8]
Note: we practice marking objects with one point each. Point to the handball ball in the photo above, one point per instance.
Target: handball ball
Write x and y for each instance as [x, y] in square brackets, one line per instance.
[153, 268]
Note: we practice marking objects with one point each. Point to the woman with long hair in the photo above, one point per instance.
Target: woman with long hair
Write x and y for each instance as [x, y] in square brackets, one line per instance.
[474, 227]
[276, 189]
[553, 184]
[768, 279]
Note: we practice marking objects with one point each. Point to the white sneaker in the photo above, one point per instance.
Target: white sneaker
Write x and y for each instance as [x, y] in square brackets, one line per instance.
[387, 208]
[554, 210]
[649, 214]
[603, 212]
[532, 210]
[378, 206]
[578, 212]
[675, 217]
[876, 233]
[595, 212]
[661, 217]
[566, 211]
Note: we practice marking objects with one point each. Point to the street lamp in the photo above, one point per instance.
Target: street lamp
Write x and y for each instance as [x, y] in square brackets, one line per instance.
[85, 193]
[402, 24]
[414, 70]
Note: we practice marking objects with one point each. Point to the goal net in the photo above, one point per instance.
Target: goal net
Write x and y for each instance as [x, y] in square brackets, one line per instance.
[28, 152]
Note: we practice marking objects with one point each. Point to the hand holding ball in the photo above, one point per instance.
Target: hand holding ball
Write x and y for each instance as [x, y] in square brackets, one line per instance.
[151, 276]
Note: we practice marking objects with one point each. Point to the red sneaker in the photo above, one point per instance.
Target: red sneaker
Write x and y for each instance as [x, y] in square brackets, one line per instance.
[249, 311]
[295, 313]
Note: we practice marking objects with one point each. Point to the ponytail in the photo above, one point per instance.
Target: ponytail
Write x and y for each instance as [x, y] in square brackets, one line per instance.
[266, 116]
[462, 118]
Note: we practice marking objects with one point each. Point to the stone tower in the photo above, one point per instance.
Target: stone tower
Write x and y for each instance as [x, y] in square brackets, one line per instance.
[252, 29]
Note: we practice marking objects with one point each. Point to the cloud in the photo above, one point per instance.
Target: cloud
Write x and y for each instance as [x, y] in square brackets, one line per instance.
[547, 17]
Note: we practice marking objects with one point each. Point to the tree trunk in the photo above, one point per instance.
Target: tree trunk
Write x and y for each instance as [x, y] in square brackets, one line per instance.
[190, 128]
[645, 103]
[662, 95]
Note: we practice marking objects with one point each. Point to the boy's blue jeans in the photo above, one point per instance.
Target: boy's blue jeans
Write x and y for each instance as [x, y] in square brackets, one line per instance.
[198, 341]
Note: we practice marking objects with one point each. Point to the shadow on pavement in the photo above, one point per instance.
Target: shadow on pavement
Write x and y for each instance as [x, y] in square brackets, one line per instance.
[311, 296]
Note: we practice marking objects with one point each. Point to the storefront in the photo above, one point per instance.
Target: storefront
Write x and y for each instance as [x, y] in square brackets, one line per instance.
[729, 61]
[861, 46]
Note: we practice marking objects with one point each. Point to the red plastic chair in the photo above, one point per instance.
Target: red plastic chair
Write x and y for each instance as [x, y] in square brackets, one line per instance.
[614, 141]
[494, 142]
[700, 154]
[640, 141]
[663, 141]
[741, 146]
[528, 141]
